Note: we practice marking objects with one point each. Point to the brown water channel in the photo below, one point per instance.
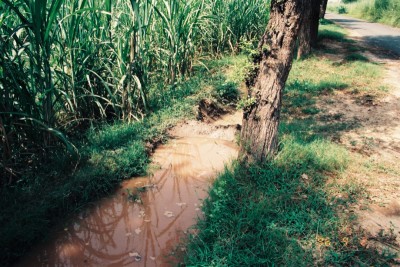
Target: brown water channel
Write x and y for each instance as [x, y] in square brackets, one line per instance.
[143, 223]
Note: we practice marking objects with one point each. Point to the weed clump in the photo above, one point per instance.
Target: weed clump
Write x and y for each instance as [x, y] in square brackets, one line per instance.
[342, 10]
[356, 57]
[227, 93]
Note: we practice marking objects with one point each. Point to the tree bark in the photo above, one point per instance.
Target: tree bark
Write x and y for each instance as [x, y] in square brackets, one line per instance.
[261, 117]
[314, 18]
[308, 35]
[322, 11]
[304, 39]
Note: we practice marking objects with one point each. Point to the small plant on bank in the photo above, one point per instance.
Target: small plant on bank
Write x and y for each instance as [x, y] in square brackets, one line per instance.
[134, 196]
[227, 93]
[246, 103]
[342, 10]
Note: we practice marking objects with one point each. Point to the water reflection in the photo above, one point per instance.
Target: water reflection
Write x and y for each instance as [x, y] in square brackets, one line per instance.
[142, 227]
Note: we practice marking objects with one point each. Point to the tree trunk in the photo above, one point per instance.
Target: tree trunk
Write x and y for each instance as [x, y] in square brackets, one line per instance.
[308, 35]
[304, 39]
[261, 116]
[323, 9]
[314, 18]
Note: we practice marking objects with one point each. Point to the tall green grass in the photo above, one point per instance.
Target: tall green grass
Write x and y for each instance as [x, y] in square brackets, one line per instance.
[385, 11]
[68, 64]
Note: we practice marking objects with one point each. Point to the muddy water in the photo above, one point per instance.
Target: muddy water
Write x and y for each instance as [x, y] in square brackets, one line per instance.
[143, 223]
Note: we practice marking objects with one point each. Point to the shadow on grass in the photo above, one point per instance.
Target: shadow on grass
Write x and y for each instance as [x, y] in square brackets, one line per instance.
[332, 35]
[356, 57]
[302, 93]
[282, 212]
[279, 214]
[300, 106]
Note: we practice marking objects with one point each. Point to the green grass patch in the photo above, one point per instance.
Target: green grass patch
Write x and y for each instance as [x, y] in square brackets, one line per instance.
[331, 31]
[227, 92]
[321, 75]
[279, 213]
[315, 76]
[356, 57]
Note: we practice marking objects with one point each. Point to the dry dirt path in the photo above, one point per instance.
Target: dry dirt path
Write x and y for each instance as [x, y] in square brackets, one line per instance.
[374, 34]
[378, 137]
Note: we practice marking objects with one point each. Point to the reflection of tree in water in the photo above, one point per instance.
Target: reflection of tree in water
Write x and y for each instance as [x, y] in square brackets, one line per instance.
[100, 236]
[105, 235]
[96, 235]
